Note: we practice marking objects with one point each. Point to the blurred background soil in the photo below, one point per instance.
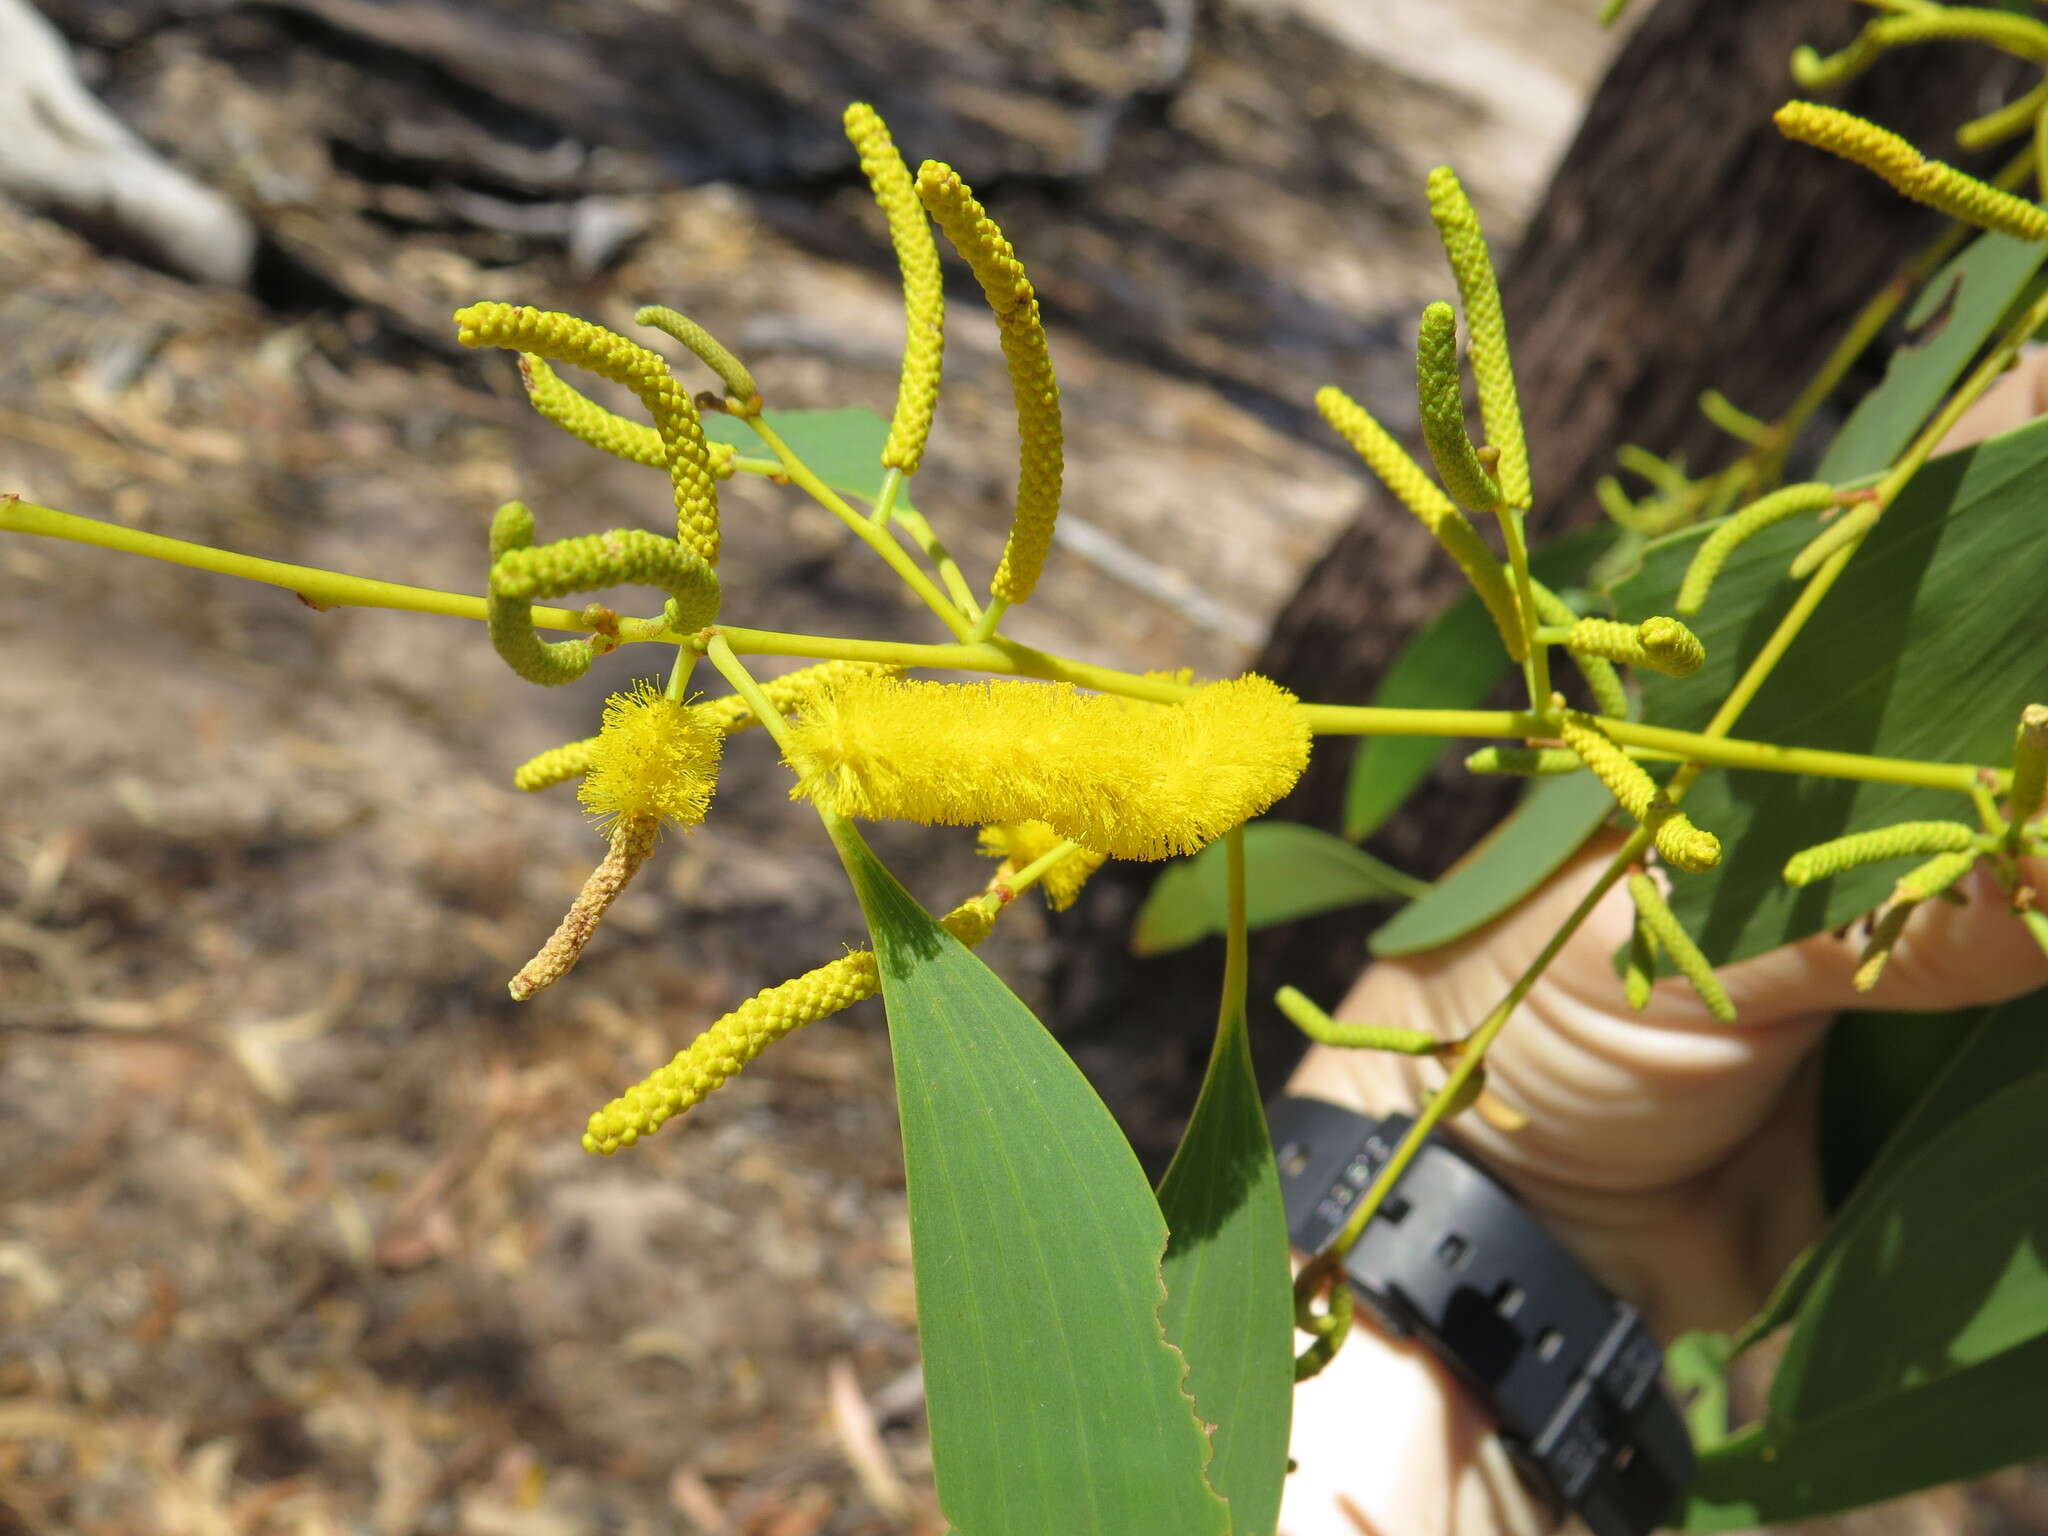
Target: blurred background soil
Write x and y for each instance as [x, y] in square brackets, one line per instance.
[295, 1234]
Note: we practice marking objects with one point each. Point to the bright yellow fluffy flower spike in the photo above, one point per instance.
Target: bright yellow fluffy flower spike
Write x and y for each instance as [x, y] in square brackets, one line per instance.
[1714, 550]
[1940, 186]
[741, 394]
[1128, 779]
[580, 416]
[1661, 925]
[655, 757]
[1416, 491]
[1457, 225]
[708, 1062]
[1659, 644]
[1683, 845]
[566, 339]
[1903, 840]
[550, 663]
[924, 292]
[980, 240]
[1018, 843]
[1439, 388]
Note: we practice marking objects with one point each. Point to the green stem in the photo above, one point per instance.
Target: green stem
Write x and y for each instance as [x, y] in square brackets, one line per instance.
[913, 523]
[2037, 925]
[991, 616]
[885, 497]
[1039, 868]
[893, 554]
[318, 588]
[743, 684]
[1536, 667]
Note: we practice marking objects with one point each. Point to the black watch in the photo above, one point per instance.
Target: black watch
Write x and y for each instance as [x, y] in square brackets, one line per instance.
[1570, 1374]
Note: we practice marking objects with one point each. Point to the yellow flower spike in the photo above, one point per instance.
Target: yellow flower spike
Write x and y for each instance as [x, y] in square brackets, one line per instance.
[1655, 917]
[1416, 491]
[1464, 243]
[1018, 843]
[980, 240]
[580, 416]
[1878, 949]
[622, 557]
[567, 339]
[1840, 534]
[655, 757]
[1939, 186]
[549, 663]
[1524, 760]
[632, 840]
[1714, 550]
[1601, 679]
[1439, 388]
[1640, 972]
[1683, 845]
[1902, 840]
[1324, 1030]
[2029, 788]
[924, 292]
[1128, 779]
[711, 1060]
[554, 766]
[742, 397]
[1660, 644]
[1934, 877]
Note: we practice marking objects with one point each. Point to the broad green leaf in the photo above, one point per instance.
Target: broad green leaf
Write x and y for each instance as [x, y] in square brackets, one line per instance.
[1055, 1401]
[1291, 872]
[843, 447]
[1229, 1295]
[1875, 1068]
[2009, 1045]
[1696, 1362]
[1555, 818]
[1920, 1354]
[1451, 663]
[1927, 647]
[1953, 316]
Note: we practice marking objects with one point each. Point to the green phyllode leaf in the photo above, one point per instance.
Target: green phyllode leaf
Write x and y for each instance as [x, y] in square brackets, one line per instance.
[1928, 647]
[1554, 819]
[1229, 1294]
[1955, 314]
[1292, 871]
[843, 447]
[1920, 1348]
[1056, 1403]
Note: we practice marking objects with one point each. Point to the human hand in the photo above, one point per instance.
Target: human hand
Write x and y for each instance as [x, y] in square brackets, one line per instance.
[1675, 1156]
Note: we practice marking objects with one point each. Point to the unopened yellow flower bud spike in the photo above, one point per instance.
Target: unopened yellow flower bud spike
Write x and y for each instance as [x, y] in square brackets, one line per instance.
[1601, 678]
[521, 573]
[555, 766]
[1844, 531]
[1640, 971]
[2029, 788]
[1655, 917]
[1440, 390]
[1021, 331]
[1524, 760]
[2007, 122]
[1764, 512]
[554, 398]
[1939, 186]
[924, 298]
[1324, 1030]
[1884, 934]
[1903, 840]
[1935, 877]
[1124, 778]
[1658, 644]
[551, 663]
[1682, 845]
[1022, 844]
[1416, 491]
[567, 339]
[742, 398]
[1479, 294]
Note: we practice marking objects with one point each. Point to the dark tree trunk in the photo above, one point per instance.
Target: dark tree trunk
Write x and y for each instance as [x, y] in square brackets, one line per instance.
[1682, 243]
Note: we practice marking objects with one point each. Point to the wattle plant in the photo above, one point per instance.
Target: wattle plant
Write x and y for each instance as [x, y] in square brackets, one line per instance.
[1101, 1357]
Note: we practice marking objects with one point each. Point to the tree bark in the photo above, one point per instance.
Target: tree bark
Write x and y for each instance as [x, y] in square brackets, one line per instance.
[1682, 243]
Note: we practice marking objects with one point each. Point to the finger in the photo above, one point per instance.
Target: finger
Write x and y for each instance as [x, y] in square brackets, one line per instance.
[2013, 401]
